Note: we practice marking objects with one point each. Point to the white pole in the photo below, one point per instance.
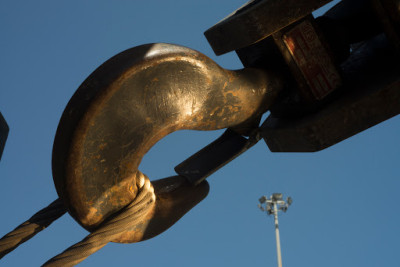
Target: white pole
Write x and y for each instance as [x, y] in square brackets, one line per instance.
[278, 241]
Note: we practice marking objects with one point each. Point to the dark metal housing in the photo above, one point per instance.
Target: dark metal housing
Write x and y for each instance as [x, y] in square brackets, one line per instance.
[4, 129]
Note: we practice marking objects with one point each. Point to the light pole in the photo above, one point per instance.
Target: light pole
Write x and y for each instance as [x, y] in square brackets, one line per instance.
[272, 205]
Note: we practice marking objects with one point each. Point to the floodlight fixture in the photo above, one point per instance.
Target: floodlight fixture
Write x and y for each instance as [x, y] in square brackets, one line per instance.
[277, 196]
[269, 209]
[262, 199]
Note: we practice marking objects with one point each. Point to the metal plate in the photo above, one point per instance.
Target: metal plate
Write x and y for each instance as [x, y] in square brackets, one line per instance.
[312, 59]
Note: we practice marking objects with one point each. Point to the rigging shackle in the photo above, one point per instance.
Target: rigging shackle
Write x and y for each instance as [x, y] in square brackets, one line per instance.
[128, 104]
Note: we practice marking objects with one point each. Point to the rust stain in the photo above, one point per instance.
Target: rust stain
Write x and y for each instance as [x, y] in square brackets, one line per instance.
[102, 146]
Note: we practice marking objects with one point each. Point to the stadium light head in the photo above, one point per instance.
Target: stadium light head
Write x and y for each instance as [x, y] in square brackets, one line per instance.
[276, 196]
[262, 199]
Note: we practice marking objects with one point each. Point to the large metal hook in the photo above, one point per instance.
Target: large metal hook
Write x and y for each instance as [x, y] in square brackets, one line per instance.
[128, 104]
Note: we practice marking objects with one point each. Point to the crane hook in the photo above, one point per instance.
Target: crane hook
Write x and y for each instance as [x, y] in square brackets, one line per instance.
[128, 104]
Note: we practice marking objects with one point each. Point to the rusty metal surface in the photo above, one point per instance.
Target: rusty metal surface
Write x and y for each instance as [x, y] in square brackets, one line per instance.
[4, 129]
[371, 95]
[309, 66]
[256, 21]
[310, 60]
[129, 103]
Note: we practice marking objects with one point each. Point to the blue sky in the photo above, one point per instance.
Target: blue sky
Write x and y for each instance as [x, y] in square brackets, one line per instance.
[345, 198]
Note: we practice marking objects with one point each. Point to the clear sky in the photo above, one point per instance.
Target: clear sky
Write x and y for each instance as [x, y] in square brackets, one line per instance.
[345, 210]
